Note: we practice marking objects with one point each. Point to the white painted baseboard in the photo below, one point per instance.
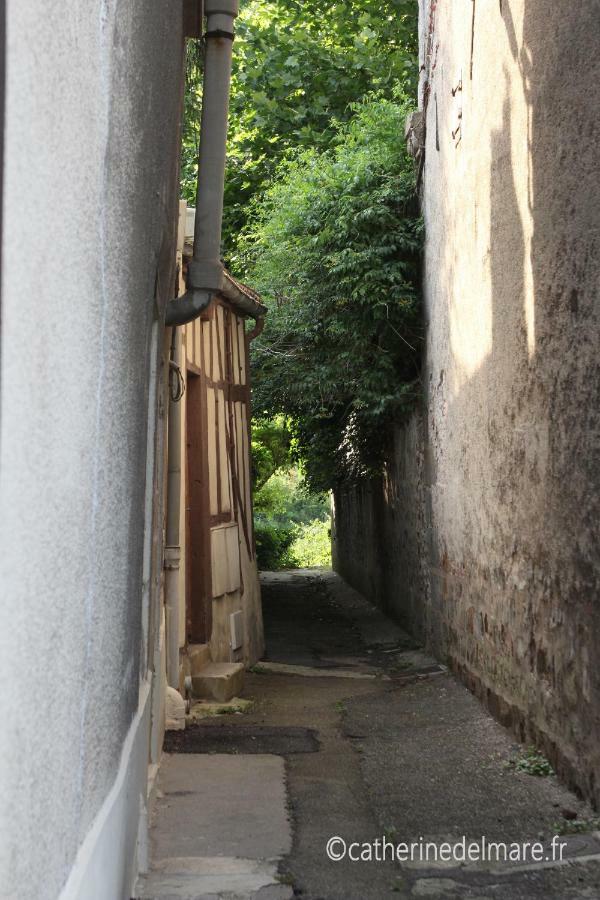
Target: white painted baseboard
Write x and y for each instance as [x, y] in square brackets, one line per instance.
[106, 864]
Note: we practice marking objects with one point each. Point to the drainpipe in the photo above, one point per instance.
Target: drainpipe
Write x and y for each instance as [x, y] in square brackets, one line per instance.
[205, 270]
[172, 538]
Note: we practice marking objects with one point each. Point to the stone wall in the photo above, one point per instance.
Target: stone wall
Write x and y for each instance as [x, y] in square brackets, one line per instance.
[483, 534]
[379, 533]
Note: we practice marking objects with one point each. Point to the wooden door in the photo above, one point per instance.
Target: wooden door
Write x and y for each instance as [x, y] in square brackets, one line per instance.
[198, 568]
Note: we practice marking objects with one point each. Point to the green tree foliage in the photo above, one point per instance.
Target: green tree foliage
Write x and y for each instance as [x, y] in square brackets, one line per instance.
[291, 523]
[320, 215]
[298, 66]
[312, 545]
[192, 110]
[285, 500]
[271, 449]
[335, 249]
[273, 545]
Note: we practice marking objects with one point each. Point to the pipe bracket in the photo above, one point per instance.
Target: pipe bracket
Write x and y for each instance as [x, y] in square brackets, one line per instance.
[219, 33]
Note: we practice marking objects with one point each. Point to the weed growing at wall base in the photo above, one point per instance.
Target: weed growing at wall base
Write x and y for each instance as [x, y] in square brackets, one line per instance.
[532, 762]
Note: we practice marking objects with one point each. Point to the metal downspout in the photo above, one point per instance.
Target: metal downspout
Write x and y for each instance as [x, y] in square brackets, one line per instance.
[172, 537]
[205, 271]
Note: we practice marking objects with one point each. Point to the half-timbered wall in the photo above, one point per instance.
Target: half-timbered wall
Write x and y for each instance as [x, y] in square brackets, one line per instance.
[215, 357]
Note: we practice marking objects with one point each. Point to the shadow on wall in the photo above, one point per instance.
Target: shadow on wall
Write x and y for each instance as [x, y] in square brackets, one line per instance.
[503, 479]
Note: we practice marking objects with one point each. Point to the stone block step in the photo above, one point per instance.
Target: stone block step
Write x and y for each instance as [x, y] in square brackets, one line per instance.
[199, 656]
[218, 681]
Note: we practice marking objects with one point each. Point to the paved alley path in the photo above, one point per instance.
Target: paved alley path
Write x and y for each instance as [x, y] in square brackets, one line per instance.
[356, 733]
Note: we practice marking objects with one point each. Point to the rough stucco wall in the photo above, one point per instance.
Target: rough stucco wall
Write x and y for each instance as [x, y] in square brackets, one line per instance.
[511, 463]
[92, 118]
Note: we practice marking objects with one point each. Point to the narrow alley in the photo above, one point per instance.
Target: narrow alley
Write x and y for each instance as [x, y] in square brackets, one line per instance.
[299, 433]
[348, 729]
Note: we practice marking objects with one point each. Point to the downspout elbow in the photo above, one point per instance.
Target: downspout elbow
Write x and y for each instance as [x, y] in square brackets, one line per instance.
[258, 328]
[187, 307]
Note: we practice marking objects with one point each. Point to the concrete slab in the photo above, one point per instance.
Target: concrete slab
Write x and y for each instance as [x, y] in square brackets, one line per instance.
[220, 828]
[277, 668]
[221, 805]
[191, 879]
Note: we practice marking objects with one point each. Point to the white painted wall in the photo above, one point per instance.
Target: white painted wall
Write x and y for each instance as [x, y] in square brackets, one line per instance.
[90, 212]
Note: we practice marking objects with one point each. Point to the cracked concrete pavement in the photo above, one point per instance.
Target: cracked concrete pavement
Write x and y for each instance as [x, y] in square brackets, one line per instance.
[403, 753]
